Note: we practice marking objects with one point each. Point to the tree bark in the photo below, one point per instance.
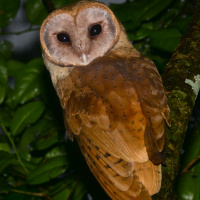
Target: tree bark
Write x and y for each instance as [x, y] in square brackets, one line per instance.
[181, 79]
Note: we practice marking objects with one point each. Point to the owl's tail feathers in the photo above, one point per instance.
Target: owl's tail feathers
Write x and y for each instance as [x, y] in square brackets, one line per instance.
[150, 175]
[120, 179]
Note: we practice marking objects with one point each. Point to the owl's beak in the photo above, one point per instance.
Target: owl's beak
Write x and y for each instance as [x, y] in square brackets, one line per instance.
[84, 58]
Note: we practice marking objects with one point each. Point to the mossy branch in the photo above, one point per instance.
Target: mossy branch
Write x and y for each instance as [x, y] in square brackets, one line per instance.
[182, 81]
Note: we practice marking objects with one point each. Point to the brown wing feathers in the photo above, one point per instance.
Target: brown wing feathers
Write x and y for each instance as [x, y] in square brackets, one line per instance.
[112, 124]
[151, 94]
[126, 187]
[106, 166]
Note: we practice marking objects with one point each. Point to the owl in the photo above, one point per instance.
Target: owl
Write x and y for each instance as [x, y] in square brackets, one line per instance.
[113, 99]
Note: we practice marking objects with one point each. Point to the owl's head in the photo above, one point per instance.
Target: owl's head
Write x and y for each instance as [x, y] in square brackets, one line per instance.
[79, 33]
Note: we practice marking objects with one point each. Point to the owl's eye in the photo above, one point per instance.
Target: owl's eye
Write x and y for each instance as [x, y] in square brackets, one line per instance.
[95, 30]
[63, 37]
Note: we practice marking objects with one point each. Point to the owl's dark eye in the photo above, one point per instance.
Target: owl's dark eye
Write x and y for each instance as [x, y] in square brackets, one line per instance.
[95, 30]
[63, 37]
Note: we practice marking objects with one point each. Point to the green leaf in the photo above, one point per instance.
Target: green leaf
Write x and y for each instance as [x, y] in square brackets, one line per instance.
[36, 11]
[14, 67]
[3, 80]
[59, 3]
[2, 92]
[69, 188]
[79, 192]
[37, 160]
[185, 187]
[5, 49]
[154, 7]
[6, 160]
[5, 116]
[4, 186]
[25, 115]
[165, 39]
[63, 194]
[48, 170]
[197, 190]
[8, 10]
[26, 155]
[5, 147]
[197, 168]
[18, 168]
[183, 23]
[132, 12]
[63, 189]
[47, 138]
[3, 73]
[191, 151]
[29, 135]
[139, 10]
[27, 84]
[58, 151]
[142, 33]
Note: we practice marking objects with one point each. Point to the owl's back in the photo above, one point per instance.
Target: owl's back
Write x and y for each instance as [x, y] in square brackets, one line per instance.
[115, 107]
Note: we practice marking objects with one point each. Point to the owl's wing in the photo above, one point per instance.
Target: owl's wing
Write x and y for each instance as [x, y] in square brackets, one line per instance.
[125, 103]
[105, 107]
[152, 97]
[109, 113]
[119, 178]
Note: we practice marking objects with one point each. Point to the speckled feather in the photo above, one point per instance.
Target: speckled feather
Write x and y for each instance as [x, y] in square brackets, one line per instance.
[114, 102]
[117, 104]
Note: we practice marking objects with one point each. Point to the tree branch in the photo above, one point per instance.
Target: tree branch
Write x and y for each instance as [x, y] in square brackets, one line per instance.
[186, 169]
[181, 79]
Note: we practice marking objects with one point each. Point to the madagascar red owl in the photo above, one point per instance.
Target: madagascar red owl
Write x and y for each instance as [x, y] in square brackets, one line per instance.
[113, 98]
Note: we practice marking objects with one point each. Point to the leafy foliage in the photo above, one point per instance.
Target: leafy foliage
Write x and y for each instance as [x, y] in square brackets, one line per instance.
[36, 162]
[188, 183]
[8, 11]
